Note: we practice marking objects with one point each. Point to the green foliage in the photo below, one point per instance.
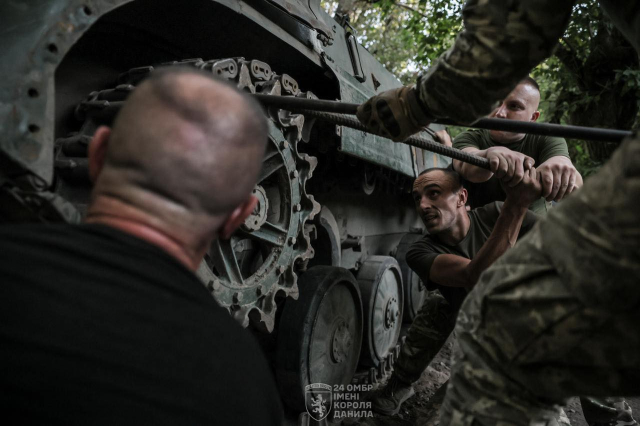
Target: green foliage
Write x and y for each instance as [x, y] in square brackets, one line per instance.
[592, 80]
[405, 36]
[630, 79]
[581, 159]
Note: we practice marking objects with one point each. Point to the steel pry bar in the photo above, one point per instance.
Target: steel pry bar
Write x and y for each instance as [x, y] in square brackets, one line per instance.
[546, 129]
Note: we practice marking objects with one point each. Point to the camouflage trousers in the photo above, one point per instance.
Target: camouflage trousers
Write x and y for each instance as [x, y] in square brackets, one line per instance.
[429, 331]
[557, 315]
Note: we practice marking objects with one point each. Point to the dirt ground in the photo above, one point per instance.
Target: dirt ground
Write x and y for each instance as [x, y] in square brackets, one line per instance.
[423, 407]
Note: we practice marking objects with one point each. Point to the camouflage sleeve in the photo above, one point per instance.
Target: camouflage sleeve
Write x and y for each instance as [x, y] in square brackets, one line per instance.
[501, 42]
[592, 237]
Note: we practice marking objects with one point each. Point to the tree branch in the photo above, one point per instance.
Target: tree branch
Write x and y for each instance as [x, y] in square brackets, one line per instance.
[402, 6]
[409, 8]
[569, 59]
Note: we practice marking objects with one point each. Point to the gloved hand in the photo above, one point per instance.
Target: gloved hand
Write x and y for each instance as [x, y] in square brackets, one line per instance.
[395, 114]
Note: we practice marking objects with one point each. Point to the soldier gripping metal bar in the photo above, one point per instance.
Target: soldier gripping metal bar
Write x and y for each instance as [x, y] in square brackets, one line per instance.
[557, 315]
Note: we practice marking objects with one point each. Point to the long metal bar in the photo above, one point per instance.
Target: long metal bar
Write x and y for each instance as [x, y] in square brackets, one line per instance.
[545, 129]
[417, 141]
[287, 102]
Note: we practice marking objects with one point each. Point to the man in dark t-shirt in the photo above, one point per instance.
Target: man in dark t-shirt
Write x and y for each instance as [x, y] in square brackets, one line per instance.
[106, 322]
[511, 153]
[459, 246]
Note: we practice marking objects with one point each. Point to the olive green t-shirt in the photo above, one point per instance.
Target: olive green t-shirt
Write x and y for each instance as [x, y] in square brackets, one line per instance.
[540, 148]
[423, 252]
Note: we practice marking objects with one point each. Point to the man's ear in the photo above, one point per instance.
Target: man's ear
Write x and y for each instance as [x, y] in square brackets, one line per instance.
[98, 151]
[237, 217]
[535, 115]
[462, 197]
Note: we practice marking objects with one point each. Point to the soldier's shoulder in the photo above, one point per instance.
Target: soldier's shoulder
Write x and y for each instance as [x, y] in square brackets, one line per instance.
[473, 137]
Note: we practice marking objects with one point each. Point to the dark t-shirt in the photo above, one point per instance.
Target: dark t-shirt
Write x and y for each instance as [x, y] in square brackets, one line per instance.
[540, 148]
[423, 252]
[99, 327]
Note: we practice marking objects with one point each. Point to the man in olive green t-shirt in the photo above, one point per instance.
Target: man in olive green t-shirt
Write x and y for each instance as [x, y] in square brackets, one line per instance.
[459, 246]
[512, 153]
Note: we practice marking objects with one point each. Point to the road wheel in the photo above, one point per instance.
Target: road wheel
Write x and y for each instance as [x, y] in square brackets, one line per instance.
[320, 335]
[380, 282]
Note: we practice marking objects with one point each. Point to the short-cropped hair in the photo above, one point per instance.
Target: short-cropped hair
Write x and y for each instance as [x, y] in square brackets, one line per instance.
[455, 177]
[529, 81]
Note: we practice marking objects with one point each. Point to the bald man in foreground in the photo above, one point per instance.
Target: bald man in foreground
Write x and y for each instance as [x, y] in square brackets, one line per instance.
[105, 322]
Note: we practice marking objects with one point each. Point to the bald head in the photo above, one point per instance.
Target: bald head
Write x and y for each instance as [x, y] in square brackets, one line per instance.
[185, 148]
[522, 105]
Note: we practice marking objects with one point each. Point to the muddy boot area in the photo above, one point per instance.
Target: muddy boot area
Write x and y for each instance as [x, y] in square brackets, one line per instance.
[422, 409]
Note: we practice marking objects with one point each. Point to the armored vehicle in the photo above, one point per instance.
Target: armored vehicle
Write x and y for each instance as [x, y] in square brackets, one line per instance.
[317, 272]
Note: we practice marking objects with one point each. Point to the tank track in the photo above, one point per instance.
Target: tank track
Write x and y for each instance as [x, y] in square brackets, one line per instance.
[376, 375]
[249, 299]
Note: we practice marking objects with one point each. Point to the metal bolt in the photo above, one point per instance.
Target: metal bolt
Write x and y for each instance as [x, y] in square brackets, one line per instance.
[292, 240]
[297, 208]
[284, 144]
[281, 269]
[294, 174]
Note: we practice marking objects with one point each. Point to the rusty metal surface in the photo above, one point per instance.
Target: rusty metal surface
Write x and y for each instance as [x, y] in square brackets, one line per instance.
[35, 36]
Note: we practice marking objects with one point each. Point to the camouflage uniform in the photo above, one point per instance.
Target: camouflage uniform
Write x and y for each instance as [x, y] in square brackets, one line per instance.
[541, 326]
[554, 317]
[429, 331]
[502, 41]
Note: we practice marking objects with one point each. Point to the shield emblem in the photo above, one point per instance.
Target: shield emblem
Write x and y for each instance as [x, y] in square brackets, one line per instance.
[318, 399]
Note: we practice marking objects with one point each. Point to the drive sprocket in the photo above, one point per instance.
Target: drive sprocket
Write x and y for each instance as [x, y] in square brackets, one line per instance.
[262, 259]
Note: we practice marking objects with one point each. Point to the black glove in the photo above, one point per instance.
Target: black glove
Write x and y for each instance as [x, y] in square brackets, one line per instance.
[395, 114]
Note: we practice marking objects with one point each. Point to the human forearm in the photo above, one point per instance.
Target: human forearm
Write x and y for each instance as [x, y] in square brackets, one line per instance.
[506, 164]
[505, 232]
[456, 271]
[504, 236]
[473, 173]
[497, 49]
